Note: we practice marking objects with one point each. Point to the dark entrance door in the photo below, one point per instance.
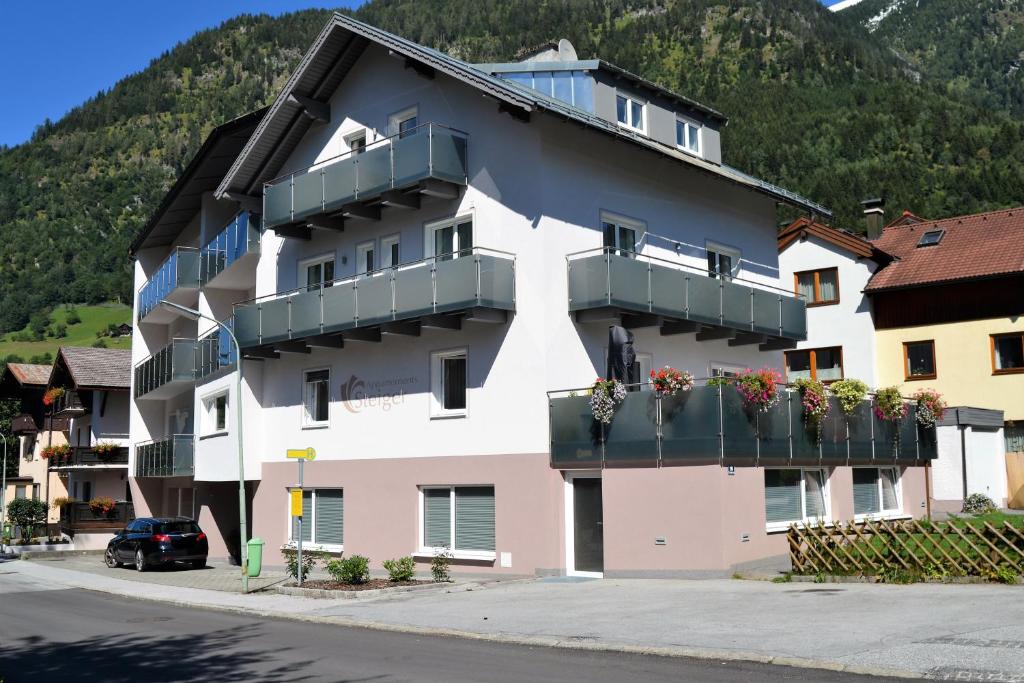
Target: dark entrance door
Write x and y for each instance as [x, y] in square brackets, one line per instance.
[588, 534]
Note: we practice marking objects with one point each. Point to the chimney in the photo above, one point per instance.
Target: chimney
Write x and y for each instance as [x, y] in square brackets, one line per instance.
[874, 216]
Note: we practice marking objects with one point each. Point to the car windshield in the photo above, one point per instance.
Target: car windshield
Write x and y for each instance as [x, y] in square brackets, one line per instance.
[179, 528]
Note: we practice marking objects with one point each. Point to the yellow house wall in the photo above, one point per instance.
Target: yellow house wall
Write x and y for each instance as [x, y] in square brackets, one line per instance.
[963, 364]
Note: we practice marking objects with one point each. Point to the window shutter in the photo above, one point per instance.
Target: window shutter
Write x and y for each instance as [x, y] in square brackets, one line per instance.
[865, 491]
[330, 516]
[782, 501]
[437, 517]
[474, 518]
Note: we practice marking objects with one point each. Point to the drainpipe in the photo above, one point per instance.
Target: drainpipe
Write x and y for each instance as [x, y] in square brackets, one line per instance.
[963, 456]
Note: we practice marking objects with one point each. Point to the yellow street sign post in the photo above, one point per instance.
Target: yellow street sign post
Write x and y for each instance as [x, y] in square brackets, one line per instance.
[302, 455]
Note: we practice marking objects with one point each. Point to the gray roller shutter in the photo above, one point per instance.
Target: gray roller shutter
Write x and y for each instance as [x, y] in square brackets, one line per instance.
[437, 517]
[474, 518]
[330, 516]
[865, 490]
[782, 499]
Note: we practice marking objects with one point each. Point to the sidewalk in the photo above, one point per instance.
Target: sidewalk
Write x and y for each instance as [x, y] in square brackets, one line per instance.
[955, 632]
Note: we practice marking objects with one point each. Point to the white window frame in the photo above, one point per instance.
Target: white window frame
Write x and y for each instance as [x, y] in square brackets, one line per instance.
[894, 513]
[432, 551]
[355, 135]
[399, 117]
[386, 243]
[731, 368]
[312, 545]
[437, 358]
[361, 249]
[689, 123]
[629, 124]
[826, 491]
[208, 420]
[308, 423]
[304, 264]
[451, 222]
[638, 227]
[569, 494]
[718, 248]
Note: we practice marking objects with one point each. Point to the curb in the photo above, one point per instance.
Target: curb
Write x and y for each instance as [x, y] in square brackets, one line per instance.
[749, 656]
[326, 593]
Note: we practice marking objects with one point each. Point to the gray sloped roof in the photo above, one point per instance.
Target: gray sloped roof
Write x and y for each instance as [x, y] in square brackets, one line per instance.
[92, 368]
[336, 50]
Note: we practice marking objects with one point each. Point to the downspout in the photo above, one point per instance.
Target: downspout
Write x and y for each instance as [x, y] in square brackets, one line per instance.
[963, 456]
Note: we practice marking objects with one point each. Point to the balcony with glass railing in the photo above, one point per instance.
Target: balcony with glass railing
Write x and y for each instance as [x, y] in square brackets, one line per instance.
[171, 457]
[711, 425]
[168, 372]
[237, 243]
[215, 351]
[608, 283]
[475, 284]
[177, 280]
[428, 159]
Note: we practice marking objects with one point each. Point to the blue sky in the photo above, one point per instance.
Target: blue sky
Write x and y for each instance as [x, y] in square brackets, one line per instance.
[58, 54]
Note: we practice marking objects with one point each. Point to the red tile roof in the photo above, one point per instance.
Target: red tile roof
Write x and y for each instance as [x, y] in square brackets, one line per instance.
[27, 373]
[844, 239]
[978, 246]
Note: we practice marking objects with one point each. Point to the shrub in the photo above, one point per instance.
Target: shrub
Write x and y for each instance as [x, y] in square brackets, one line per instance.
[978, 504]
[355, 569]
[60, 331]
[72, 317]
[440, 564]
[402, 569]
[99, 344]
[291, 562]
[850, 393]
[27, 514]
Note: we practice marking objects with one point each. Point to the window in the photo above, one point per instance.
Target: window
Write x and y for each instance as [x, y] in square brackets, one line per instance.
[460, 518]
[389, 251]
[450, 239]
[688, 136]
[316, 396]
[20, 491]
[795, 495]
[876, 491]
[725, 370]
[825, 365]
[1007, 353]
[215, 414]
[356, 142]
[642, 372]
[818, 287]
[365, 257]
[919, 359]
[931, 238]
[403, 124]
[630, 112]
[323, 519]
[722, 260]
[619, 235]
[35, 492]
[317, 272]
[448, 383]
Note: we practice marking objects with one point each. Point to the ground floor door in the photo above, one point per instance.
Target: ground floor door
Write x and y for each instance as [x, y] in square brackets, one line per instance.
[587, 526]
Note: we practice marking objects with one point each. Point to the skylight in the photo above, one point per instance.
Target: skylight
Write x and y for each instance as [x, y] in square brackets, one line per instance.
[931, 238]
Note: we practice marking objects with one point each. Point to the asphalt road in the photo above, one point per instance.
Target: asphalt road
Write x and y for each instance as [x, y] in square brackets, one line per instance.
[51, 634]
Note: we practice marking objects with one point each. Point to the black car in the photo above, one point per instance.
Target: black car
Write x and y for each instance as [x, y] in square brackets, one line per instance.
[151, 541]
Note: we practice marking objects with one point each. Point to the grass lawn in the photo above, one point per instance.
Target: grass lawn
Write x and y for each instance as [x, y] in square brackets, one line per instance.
[94, 318]
[996, 519]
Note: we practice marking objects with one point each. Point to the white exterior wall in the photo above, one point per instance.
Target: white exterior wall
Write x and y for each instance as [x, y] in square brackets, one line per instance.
[847, 324]
[986, 464]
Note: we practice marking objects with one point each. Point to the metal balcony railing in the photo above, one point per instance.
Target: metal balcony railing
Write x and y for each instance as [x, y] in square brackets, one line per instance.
[89, 456]
[239, 237]
[471, 278]
[428, 151]
[637, 283]
[171, 368]
[215, 351]
[79, 516]
[69, 404]
[173, 457]
[179, 271]
[711, 425]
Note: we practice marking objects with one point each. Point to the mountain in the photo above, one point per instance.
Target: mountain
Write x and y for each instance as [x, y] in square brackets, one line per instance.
[817, 103]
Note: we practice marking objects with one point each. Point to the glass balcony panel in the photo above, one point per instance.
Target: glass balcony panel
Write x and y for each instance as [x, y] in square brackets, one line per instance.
[807, 448]
[860, 425]
[448, 155]
[183, 456]
[833, 435]
[308, 194]
[374, 171]
[773, 431]
[456, 283]
[928, 448]
[277, 203]
[373, 298]
[588, 282]
[703, 298]
[766, 312]
[306, 313]
[739, 428]
[689, 427]
[414, 291]
[794, 318]
[339, 306]
[181, 269]
[274, 320]
[735, 306]
[668, 291]
[906, 447]
[887, 436]
[412, 158]
[339, 183]
[497, 281]
[247, 325]
[575, 435]
[632, 436]
[629, 283]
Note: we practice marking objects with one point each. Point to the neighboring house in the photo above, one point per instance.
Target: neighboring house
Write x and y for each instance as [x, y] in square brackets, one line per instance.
[443, 249]
[95, 405]
[942, 301]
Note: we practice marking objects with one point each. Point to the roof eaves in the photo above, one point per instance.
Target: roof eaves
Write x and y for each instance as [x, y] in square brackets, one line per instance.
[665, 92]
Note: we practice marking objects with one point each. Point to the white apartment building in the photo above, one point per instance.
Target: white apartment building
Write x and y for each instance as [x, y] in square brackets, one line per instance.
[422, 258]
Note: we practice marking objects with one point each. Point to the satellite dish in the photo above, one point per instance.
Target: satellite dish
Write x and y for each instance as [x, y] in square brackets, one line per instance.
[566, 52]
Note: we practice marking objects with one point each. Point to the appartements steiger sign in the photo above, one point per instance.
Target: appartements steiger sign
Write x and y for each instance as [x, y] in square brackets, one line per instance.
[358, 394]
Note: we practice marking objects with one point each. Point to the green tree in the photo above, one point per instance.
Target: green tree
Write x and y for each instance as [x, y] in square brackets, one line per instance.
[27, 514]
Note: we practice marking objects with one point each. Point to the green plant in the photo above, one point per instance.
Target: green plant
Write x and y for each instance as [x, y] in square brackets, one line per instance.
[785, 578]
[105, 448]
[717, 382]
[51, 395]
[889, 405]
[354, 570]
[605, 396]
[759, 388]
[61, 501]
[850, 393]
[815, 403]
[930, 407]
[102, 505]
[897, 575]
[440, 564]
[820, 577]
[1002, 574]
[72, 317]
[401, 569]
[309, 561]
[27, 514]
[99, 344]
[978, 504]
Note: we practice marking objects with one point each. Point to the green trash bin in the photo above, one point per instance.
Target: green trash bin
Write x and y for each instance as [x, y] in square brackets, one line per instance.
[255, 557]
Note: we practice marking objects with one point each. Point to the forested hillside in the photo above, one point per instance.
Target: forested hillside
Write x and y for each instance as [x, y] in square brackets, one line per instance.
[817, 103]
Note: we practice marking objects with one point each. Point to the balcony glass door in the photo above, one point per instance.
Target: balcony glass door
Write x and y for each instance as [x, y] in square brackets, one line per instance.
[588, 526]
[452, 240]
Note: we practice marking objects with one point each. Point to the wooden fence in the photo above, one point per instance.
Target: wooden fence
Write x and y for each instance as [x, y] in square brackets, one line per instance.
[872, 548]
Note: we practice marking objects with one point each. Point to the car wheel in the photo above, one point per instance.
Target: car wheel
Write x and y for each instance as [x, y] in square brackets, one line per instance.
[110, 559]
[198, 564]
[140, 561]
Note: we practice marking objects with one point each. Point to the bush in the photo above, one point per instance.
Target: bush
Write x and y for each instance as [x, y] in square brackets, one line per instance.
[27, 514]
[309, 560]
[355, 569]
[978, 504]
[440, 564]
[402, 569]
[60, 331]
[99, 344]
[72, 317]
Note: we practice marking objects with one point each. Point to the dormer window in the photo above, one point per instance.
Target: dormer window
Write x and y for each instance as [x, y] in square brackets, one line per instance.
[688, 136]
[630, 113]
[931, 238]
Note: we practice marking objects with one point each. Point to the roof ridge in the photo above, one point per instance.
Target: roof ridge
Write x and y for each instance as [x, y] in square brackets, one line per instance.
[936, 221]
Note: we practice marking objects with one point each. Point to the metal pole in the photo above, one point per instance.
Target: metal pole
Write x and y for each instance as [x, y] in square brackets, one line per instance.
[298, 553]
[242, 524]
[3, 495]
